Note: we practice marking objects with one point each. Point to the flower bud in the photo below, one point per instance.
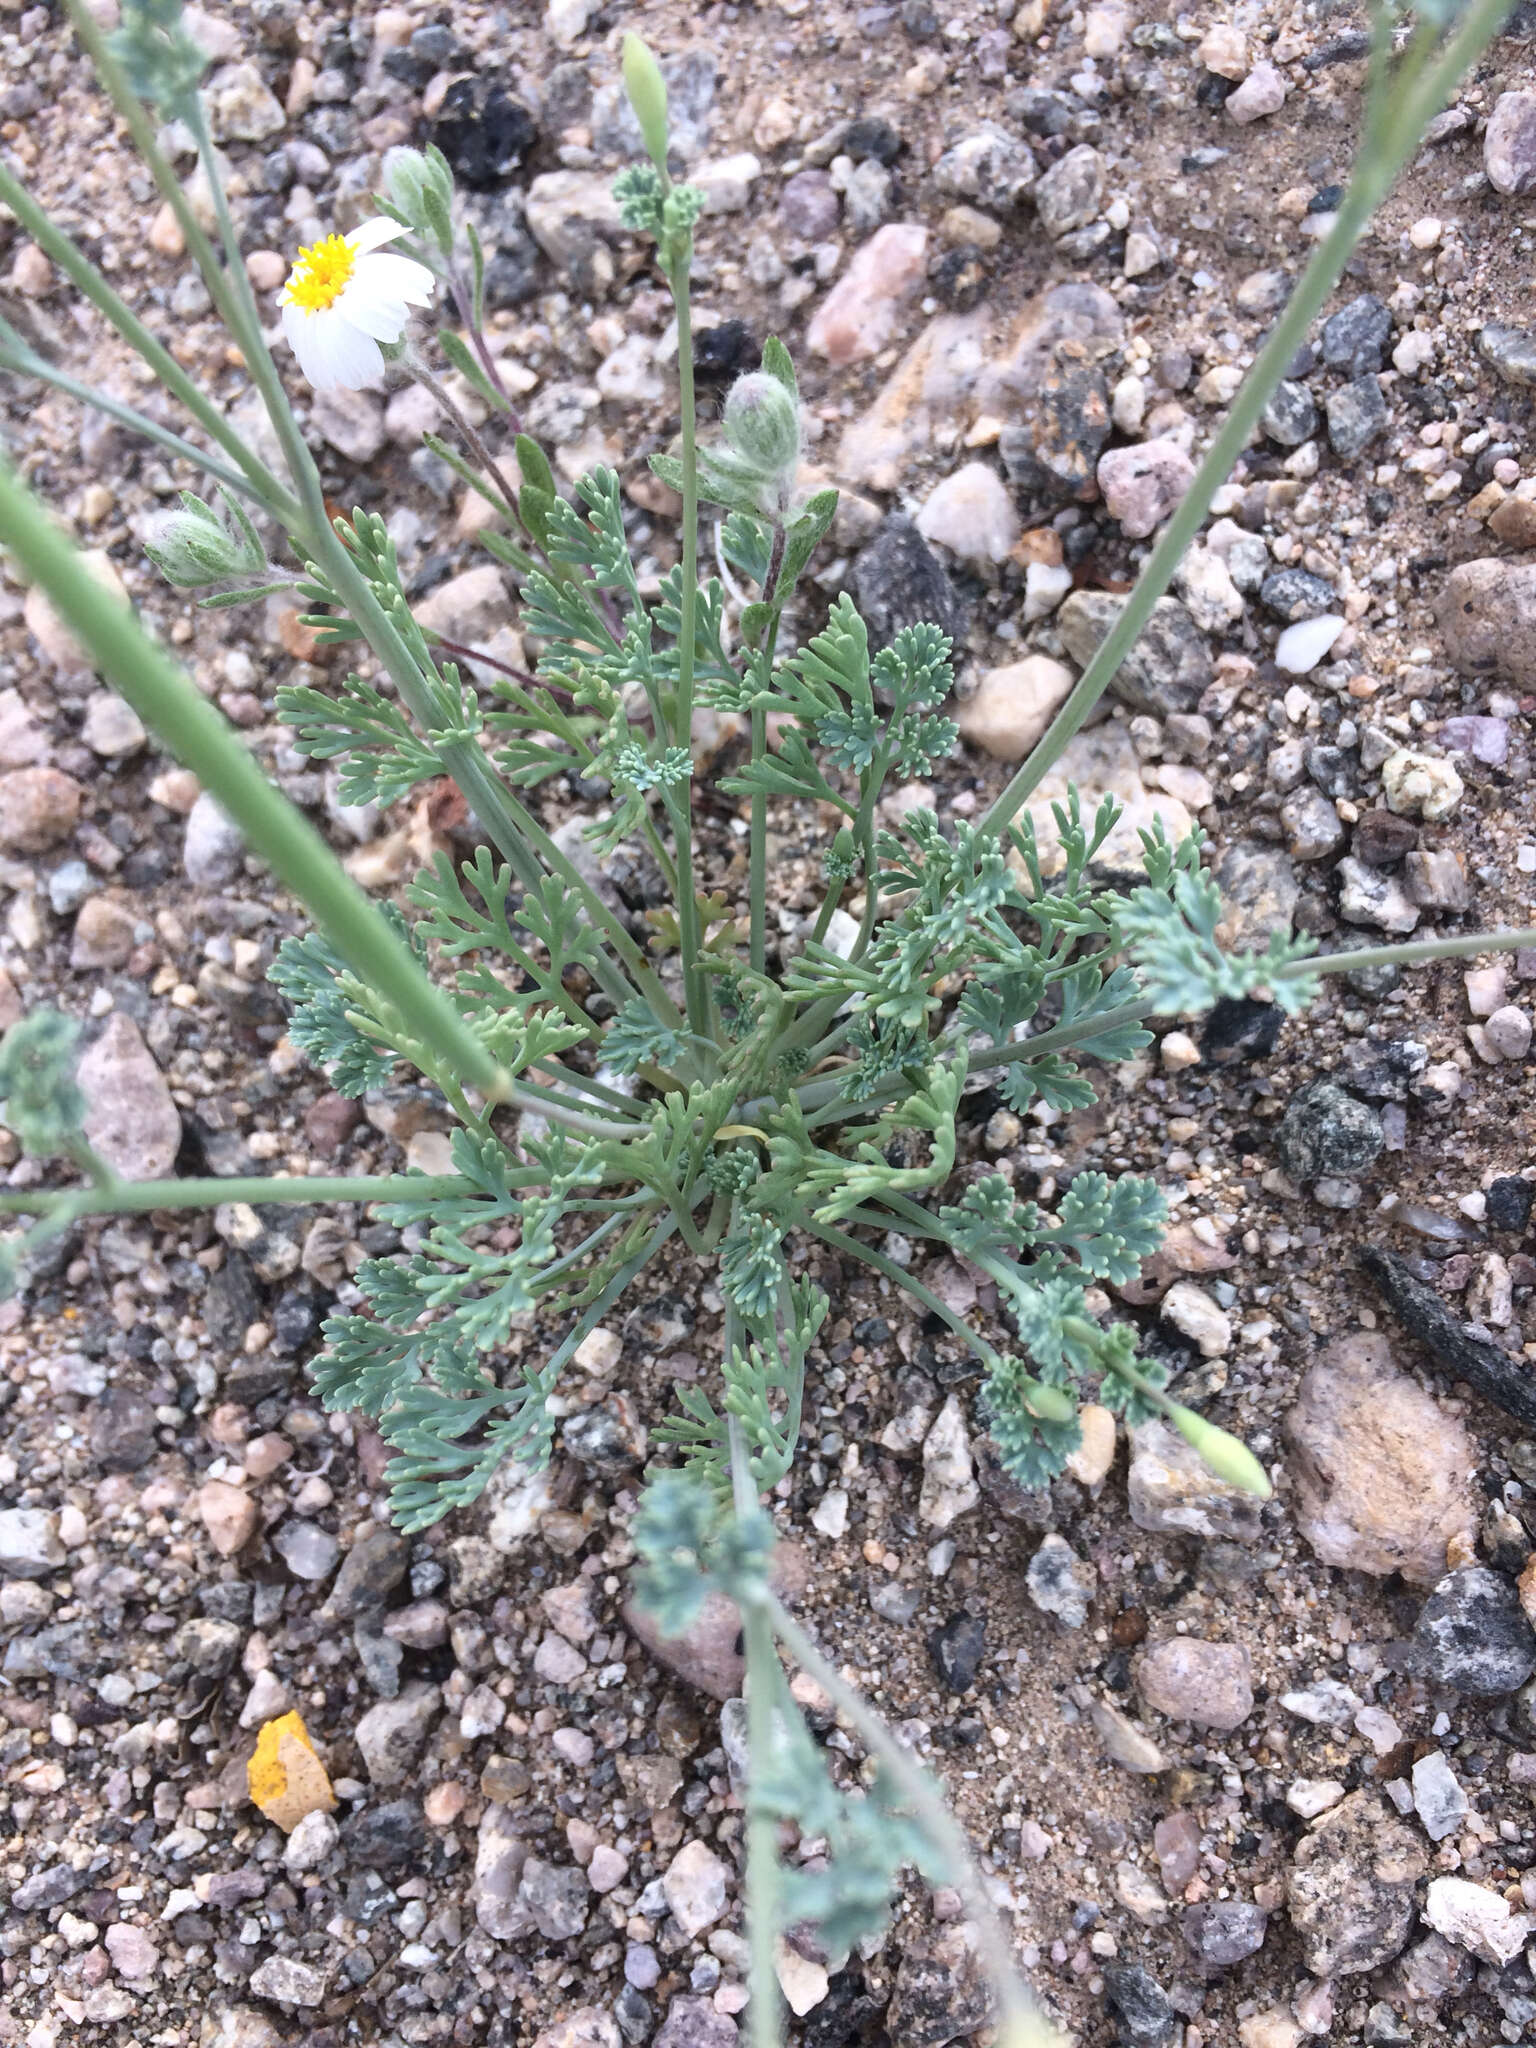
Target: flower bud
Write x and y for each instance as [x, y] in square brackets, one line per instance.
[1230, 1459]
[762, 424]
[647, 91]
[191, 548]
[1051, 1404]
[420, 187]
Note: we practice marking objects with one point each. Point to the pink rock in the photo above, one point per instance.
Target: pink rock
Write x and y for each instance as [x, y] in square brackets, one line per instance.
[1142, 485]
[38, 808]
[858, 316]
[1261, 92]
[228, 1514]
[130, 1118]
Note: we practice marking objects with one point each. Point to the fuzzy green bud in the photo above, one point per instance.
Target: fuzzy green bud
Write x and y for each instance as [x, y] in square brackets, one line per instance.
[419, 186]
[1223, 1453]
[191, 548]
[1051, 1404]
[647, 91]
[762, 424]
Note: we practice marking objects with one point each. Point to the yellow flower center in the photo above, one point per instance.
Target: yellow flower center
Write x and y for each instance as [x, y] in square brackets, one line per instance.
[322, 273]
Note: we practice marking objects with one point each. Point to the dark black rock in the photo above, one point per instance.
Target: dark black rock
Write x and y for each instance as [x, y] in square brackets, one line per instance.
[1509, 1202]
[231, 1303]
[511, 268]
[1325, 1130]
[122, 1430]
[251, 1380]
[957, 1648]
[1357, 413]
[1238, 1028]
[484, 133]
[1472, 1634]
[725, 351]
[227, 1599]
[1353, 340]
[1041, 112]
[919, 20]
[296, 1318]
[370, 1571]
[386, 1837]
[941, 1993]
[899, 581]
[1505, 1381]
[1290, 416]
[1381, 838]
[1140, 2004]
[1292, 594]
[871, 137]
[1374, 982]
[69, 1650]
[1220, 1932]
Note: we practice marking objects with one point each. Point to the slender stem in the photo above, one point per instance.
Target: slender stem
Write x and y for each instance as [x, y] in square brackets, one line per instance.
[137, 1198]
[696, 992]
[1021, 2025]
[1397, 119]
[898, 1275]
[167, 702]
[762, 1673]
[471, 437]
[1414, 952]
[757, 853]
[466, 313]
[87, 280]
[21, 361]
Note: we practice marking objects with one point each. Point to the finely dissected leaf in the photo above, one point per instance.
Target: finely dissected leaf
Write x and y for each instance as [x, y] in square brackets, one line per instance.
[382, 758]
[326, 1022]
[43, 1103]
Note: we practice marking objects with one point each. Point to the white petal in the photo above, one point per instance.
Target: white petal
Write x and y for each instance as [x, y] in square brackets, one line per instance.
[294, 318]
[400, 278]
[373, 234]
[371, 313]
[334, 354]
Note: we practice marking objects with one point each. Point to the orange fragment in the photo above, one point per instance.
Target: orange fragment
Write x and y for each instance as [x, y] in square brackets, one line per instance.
[287, 1779]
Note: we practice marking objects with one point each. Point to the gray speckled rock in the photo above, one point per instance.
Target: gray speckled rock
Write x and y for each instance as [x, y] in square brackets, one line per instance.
[1209, 1685]
[1350, 1886]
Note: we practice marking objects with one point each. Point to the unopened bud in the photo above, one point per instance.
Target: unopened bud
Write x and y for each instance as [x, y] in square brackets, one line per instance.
[419, 186]
[762, 424]
[191, 548]
[647, 91]
[1051, 1404]
[1224, 1454]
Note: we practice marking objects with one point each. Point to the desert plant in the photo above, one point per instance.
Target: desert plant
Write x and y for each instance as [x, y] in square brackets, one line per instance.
[701, 1089]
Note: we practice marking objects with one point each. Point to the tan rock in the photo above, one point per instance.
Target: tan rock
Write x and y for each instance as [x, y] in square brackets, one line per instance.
[1210, 1685]
[1383, 1474]
[130, 1118]
[1012, 706]
[38, 808]
[929, 390]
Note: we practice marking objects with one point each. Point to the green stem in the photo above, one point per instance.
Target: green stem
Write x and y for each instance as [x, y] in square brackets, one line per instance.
[470, 436]
[21, 361]
[1019, 2022]
[763, 2015]
[757, 856]
[1396, 122]
[696, 991]
[168, 702]
[138, 1198]
[1413, 953]
[89, 282]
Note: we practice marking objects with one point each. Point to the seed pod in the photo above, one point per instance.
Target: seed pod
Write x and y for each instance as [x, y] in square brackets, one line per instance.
[1228, 1457]
[647, 91]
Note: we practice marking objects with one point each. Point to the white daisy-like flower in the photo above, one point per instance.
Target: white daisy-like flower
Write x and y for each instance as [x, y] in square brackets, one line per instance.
[343, 297]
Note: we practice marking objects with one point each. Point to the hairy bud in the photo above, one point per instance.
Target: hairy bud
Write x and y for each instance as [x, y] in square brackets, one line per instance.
[192, 548]
[762, 424]
[1230, 1459]
[647, 91]
[419, 186]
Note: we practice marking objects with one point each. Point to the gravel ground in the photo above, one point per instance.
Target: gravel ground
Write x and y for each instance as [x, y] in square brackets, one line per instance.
[1238, 1777]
